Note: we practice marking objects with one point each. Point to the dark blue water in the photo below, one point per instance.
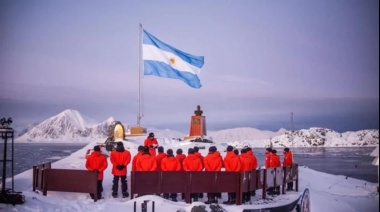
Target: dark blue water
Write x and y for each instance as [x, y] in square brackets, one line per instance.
[26, 155]
[353, 162]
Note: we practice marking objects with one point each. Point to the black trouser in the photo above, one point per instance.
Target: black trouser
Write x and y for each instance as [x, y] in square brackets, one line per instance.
[290, 185]
[232, 196]
[124, 186]
[100, 188]
[172, 196]
[213, 197]
[194, 196]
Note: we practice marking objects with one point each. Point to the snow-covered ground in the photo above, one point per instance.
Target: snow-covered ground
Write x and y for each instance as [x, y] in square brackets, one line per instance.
[328, 192]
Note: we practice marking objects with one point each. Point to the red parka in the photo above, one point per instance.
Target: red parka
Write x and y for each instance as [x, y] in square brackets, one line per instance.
[146, 162]
[152, 143]
[134, 160]
[288, 158]
[254, 159]
[97, 161]
[213, 161]
[180, 158]
[192, 163]
[246, 162]
[120, 156]
[232, 162]
[274, 161]
[267, 159]
[170, 163]
[199, 155]
[159, 158]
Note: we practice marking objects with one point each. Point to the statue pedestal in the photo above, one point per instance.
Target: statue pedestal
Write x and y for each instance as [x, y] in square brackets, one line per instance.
[197, 127]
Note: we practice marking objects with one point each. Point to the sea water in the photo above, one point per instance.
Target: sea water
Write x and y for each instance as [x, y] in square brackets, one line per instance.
[352, 162]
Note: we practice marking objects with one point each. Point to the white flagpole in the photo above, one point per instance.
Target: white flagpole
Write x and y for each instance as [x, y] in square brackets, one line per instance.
[140, 68]
[292, 136]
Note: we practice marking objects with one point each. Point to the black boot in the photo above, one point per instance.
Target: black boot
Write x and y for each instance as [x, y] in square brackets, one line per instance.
[228, 201]
[210, 199]
[247, 197]
[233, 199]
[173, 196]
[215, 199]
[125, 194]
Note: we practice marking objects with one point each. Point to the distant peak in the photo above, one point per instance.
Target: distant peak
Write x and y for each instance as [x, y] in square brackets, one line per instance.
[69, 112]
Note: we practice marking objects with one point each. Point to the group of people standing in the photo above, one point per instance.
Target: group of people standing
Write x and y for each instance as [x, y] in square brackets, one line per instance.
[120, 159]
[147, 159]
[272, 160]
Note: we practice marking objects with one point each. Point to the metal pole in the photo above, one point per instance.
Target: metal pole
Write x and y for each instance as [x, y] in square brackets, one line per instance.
[292, 136]
[13, 152]
[140, 68]
[4, 135]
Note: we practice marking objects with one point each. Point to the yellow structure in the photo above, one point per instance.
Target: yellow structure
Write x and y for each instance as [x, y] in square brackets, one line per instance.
[134, 131]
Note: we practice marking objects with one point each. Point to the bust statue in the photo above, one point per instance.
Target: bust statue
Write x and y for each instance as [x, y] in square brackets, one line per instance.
[198, 112]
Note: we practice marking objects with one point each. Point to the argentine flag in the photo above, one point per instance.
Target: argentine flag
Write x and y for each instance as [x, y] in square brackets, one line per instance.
[163, 60]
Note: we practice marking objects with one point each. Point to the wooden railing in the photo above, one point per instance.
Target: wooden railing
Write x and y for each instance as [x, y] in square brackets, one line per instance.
[46, 179]
[157, 182]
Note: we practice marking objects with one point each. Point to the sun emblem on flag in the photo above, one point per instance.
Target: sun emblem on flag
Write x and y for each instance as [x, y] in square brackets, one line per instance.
[172, 60]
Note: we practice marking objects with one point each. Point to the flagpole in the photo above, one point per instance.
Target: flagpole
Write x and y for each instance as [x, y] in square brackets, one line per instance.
[140, 68]
[291, 119]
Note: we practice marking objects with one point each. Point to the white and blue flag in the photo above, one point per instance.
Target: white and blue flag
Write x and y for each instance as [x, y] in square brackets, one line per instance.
[163, 60]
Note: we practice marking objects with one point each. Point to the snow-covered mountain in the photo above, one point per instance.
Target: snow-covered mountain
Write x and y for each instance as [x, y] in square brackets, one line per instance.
[67, 126]
[315, 137]
[70, 126]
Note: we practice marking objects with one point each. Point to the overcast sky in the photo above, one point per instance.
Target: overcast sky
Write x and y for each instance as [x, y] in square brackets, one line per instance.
[263, 61]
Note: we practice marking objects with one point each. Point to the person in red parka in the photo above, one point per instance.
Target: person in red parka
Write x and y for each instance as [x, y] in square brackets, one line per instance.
[151, 143]
[267, 157]
[274, 160]
[97, 161]
[180, 157]
[246, 165]
[253, 156]
[213, 162]
[159, 157]
[232, 163]
[120, 158]
[274, 163]
[146, 162]
[192, 163]
[199, 155]
[254, 162]
[288, 161]
[170, 163]
[140, 150]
